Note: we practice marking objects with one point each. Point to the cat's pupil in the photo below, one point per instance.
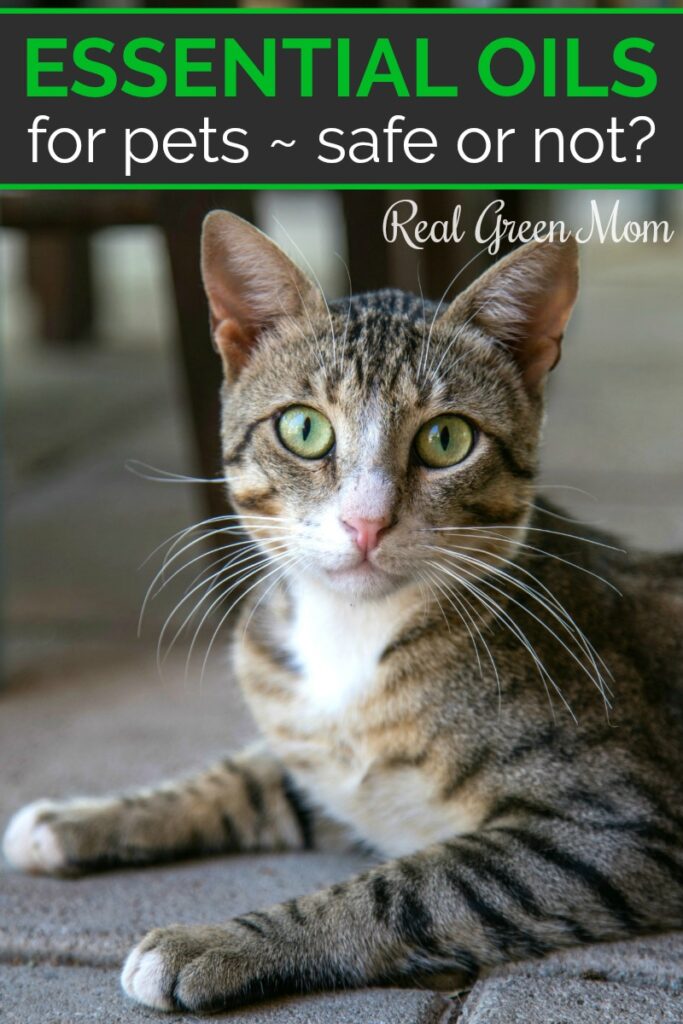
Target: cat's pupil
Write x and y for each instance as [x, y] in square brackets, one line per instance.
[306, 428]
[445, 438]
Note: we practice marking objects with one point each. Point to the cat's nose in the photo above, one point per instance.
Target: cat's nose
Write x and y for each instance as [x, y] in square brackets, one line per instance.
[367, 532]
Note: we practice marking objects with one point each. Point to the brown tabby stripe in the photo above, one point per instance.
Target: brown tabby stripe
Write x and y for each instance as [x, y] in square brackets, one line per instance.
[502, 932]
[548, 737]
[477, 764]
[520, 805]
[236, 453]
[642, 830]
[666, 861]
[359, 367]
[514, 888]
[493, 513]
[269, 687]
[254, 791]
[406, 760]
[233, 839]
[302, 812]
[481, 854]
[251, 925]
[408, 637]
[600, 886]
[278, 655]
[510, 462]
[382, 898]
[657, 801]
[414, 920]
[595, 801]
[255, 502]
[294, 911]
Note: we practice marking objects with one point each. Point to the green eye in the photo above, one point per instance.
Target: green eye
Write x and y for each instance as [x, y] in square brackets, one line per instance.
[305, 432]
[444, 441]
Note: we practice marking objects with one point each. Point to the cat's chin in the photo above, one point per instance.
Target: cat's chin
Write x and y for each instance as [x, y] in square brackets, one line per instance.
[364, 580]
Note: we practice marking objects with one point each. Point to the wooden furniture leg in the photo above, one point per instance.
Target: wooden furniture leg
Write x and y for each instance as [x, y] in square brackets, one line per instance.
[60, 276]
[181, 217]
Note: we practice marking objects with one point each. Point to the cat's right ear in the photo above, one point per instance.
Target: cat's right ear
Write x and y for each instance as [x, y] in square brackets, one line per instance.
[251, 285]
[523, 303]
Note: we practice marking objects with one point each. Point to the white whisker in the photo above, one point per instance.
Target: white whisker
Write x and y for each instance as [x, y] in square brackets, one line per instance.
[569, 625]
[434, 370]
[149, 596]
[284, 526]
[176, 538]
[552, 597]
[514, 628]
[245, 573]
[442, 299]
[317, 281]
[540, 551]
[211, 584]
[450, 593]
[348, 309]
[303, 563]
[529, 529]
[292, 561]
[165, 476]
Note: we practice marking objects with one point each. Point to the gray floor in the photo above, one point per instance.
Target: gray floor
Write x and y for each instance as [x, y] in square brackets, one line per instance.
[85, 709]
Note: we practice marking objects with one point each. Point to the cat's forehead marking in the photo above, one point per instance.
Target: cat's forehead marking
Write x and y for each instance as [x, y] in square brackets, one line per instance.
[376, 348]
[396, 345]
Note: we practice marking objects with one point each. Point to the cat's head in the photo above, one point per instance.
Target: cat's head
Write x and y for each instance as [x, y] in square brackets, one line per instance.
[365, 439]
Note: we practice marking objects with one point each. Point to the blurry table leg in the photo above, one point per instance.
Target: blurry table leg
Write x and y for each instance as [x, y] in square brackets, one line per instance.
[368, 253]
[181, 216]
[60, 276]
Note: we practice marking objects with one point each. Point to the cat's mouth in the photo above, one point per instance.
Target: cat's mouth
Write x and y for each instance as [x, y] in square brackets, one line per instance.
[362, 577]
[358, 570]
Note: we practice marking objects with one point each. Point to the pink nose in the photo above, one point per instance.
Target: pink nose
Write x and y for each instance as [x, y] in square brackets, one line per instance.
[367, 532]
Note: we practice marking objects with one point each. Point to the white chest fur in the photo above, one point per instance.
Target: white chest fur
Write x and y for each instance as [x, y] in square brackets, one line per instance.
[338, 644]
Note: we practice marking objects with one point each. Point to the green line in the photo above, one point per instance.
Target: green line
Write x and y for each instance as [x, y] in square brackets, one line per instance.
[322, 186]
[340, 10]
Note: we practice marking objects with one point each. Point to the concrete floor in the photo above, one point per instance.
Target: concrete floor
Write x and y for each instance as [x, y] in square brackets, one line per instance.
[85, 709]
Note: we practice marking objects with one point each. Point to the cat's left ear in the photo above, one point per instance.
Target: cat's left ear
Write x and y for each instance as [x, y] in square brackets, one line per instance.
[524, 303]
[251, 285]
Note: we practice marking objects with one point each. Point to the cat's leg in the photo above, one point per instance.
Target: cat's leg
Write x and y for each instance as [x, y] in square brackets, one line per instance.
[503, 895]
[242, 803]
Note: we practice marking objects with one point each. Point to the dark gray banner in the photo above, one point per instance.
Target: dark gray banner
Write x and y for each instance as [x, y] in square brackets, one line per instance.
[184, 98]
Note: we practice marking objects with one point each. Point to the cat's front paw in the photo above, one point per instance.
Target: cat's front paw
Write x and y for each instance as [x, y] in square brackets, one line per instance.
[31, 843]
[194, 968]
[63, 837]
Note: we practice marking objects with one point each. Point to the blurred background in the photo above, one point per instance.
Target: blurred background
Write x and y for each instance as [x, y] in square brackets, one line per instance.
[106, 359]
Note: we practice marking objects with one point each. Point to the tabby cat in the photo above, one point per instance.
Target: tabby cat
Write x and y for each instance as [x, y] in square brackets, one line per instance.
[478, 688]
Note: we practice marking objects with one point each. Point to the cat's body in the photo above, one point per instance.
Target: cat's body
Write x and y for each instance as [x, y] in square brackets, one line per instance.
[471, 683]
[406, 767]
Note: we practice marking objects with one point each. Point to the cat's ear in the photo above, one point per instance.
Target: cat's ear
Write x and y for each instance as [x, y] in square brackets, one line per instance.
[524, 303]
[251, 285]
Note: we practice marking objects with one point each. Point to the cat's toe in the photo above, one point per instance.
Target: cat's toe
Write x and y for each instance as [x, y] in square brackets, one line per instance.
[151, 971]
[219, 979]
[30, 843]
[146, 978]
[187, 968]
